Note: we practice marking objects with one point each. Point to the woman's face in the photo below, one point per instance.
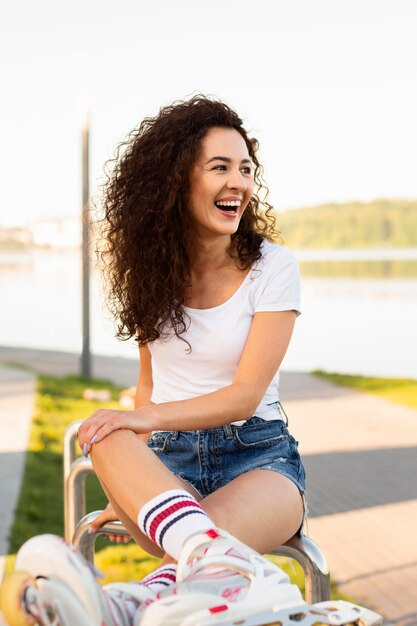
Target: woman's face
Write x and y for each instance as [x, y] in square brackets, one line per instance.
[221, 182]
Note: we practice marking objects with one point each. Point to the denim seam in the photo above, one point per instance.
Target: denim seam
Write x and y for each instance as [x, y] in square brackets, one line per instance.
[264, 443]
[217, 457]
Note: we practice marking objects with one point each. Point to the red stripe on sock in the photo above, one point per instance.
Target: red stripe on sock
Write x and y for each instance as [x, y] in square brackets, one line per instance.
[171, 577]
[166, 513]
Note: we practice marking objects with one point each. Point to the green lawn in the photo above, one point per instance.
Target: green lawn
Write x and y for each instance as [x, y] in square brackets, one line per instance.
[40, 508]
[400, 390]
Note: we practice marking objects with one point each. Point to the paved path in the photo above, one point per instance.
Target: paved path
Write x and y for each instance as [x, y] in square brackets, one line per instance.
[360, 453]
[17, 391]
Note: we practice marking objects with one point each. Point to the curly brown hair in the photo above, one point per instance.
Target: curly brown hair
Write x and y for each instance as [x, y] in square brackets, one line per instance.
[145, 258]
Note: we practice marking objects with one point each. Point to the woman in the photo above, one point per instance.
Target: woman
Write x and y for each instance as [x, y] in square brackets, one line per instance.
[194, 276]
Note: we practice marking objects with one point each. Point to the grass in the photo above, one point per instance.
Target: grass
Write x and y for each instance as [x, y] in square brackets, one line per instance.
[399, 390]
[59, 402]
[40, 508]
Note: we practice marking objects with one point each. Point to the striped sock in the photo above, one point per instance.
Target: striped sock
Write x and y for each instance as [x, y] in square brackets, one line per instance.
[161, 578]
[122, 603]
[170, 518]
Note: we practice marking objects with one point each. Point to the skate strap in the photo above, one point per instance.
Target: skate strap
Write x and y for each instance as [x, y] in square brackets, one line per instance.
[222, 561]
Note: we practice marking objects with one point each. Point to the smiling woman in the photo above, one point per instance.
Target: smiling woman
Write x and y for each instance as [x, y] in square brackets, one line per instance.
[194, 276]
[147, 196]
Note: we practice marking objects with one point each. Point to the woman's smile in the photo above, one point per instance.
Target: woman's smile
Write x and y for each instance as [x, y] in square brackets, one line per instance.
[228, 206]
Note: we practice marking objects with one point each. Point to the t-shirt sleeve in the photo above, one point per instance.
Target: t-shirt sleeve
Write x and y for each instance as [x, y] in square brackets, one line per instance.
[280, 290]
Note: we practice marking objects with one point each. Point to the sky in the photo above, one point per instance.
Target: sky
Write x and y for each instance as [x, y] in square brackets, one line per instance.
[328, 87]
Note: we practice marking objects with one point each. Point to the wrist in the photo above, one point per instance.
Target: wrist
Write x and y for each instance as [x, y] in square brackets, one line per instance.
[148, 418]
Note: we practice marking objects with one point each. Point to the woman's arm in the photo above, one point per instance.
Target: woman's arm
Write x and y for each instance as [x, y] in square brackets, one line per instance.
[145, 384]
[265, 347]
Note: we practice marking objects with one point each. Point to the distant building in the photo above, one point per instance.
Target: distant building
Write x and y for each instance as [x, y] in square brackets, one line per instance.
[15, 237]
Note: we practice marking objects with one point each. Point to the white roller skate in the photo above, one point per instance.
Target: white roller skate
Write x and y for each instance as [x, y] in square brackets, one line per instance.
[218, 573]
[338, 613]
[224, 583]
[53, 585]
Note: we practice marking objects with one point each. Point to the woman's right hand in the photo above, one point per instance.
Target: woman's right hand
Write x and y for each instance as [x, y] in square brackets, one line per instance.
[108, 515]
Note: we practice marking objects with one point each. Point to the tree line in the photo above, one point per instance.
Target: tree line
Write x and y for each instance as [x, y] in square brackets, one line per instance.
[376, 224]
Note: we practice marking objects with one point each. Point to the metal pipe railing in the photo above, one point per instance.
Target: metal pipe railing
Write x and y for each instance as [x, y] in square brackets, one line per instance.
[316, 572]
[70, 443]
[76, 495]
[75, 472]
[84, 541]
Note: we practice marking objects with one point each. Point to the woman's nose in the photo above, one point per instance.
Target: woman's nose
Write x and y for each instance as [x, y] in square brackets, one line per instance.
[236, 180]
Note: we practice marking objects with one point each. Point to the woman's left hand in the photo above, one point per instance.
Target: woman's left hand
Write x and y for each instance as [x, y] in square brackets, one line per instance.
[104, 421]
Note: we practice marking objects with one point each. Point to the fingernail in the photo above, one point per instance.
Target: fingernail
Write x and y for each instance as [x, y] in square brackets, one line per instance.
[85, 449]
[94, 439]
[90, 530]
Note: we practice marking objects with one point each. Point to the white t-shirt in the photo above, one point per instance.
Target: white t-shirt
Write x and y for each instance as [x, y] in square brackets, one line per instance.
[218, 335]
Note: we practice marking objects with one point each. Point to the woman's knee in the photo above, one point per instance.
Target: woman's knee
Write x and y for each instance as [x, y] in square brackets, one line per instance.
[113, 447]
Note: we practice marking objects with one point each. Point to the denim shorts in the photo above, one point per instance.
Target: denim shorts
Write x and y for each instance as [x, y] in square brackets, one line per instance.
[209, 459]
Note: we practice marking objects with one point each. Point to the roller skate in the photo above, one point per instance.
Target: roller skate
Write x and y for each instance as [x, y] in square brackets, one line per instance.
[53, 585]
[224, 582]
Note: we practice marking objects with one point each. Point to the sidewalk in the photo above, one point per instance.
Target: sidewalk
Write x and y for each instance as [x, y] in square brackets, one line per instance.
[17, 392]
[360, 454]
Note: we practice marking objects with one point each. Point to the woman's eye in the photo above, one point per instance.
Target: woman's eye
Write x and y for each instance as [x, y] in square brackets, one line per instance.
[247, 170]
[219, 167]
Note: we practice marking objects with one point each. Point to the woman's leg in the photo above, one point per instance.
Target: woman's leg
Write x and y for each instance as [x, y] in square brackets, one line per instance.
[139, 537]
[131, 472]
[258, 499]
[131, 475]
[261, 508]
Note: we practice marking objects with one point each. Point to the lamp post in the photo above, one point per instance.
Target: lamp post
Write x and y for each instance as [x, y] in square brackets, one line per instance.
[85, 352]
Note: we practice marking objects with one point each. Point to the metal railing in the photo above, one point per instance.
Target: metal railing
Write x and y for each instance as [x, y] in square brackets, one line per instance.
[313, 562]
[77, 522]
[76, 471]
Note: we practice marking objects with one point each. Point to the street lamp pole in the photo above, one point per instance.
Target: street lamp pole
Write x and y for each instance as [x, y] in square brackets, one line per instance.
[85, 353]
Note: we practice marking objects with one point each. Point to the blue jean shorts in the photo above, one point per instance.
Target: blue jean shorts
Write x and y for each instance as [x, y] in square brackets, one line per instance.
[209, 459]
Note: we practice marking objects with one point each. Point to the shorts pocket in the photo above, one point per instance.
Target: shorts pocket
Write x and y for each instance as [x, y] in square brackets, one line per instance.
[260, 435]
[158, 442]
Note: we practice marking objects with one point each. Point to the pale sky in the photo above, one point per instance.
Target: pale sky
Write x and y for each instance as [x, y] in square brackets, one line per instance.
[328, 86]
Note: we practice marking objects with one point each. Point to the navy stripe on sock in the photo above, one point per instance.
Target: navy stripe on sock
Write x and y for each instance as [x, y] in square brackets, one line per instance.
[161, 504]
[164, 530]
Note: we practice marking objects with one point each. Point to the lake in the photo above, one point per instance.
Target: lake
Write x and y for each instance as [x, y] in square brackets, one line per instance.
[355, 320]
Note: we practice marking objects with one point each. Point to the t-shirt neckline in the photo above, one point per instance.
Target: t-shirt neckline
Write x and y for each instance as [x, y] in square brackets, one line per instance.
[232, 297]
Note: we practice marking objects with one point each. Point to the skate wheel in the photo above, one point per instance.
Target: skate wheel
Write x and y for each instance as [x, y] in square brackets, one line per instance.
[11, 598]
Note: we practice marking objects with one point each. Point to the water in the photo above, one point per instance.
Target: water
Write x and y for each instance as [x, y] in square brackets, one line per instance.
[352, 325]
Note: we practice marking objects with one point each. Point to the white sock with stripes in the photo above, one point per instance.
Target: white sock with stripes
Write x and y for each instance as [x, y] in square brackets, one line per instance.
[122, 601]
[161, 578]
[170, 518]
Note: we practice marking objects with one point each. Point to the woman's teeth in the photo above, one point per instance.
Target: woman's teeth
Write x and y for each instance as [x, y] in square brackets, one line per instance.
[229, 205]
